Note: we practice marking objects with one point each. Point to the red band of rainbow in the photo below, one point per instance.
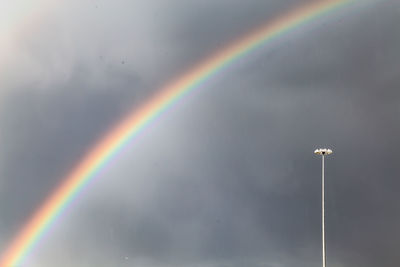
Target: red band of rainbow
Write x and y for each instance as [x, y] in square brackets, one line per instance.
[130, 126]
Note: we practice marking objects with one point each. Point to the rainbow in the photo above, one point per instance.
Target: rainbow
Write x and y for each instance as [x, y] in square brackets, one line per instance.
[135, 122]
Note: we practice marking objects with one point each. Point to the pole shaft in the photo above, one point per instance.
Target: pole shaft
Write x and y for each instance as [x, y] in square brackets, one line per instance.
[323, 214]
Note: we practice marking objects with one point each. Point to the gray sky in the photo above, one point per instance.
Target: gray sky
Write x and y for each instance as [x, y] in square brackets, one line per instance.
[227, 177]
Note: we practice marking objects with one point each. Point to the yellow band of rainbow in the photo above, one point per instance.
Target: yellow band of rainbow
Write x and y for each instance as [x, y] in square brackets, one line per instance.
[131, 125]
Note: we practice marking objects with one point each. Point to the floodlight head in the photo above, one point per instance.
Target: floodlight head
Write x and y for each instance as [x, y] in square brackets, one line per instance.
[323, 151]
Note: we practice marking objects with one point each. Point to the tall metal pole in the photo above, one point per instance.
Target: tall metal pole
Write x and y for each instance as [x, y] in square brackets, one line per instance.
[323, 214]
[323, 152]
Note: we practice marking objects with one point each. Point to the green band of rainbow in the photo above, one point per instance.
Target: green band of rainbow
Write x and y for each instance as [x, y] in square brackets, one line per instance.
[135, 122]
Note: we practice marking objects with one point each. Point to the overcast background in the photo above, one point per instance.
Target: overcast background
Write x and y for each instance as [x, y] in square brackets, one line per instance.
[227, 177]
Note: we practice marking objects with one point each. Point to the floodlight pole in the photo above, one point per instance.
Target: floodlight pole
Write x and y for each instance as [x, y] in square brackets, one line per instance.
[323, 152]
[323, 214]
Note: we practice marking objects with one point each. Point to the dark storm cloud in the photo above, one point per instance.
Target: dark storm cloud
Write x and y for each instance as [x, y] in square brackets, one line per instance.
[227, 177]
[49, 130]
[226, 22]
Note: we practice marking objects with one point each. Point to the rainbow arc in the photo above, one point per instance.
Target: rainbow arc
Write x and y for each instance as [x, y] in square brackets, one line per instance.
[126, 130]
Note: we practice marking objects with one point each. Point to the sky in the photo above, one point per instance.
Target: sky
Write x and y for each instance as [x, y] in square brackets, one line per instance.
[227, 177]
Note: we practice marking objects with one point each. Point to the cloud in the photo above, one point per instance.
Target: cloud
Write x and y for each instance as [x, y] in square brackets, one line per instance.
[225, 178]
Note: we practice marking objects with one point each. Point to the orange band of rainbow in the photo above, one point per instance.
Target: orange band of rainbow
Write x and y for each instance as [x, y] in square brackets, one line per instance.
[130, 126]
